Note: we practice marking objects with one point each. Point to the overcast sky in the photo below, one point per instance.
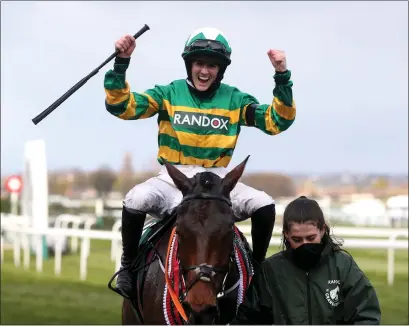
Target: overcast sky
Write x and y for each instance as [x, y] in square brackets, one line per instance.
[349, 62]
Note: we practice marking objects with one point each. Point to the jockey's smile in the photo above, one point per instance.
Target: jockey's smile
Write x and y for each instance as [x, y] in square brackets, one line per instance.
[204, 73]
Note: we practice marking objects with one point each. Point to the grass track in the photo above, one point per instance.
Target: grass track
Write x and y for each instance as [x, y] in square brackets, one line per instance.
[28, 297]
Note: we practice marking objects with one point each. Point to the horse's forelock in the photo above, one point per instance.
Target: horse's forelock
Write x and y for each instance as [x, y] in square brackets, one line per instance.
[207, 182]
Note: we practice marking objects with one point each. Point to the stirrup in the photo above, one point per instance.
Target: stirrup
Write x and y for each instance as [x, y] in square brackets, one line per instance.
[112, 279]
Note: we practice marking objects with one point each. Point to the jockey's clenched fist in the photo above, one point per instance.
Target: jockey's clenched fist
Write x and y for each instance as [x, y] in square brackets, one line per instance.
[125, 45]
[277, 58]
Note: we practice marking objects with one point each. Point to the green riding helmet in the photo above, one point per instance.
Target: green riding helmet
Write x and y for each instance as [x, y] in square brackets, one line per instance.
[210, 42]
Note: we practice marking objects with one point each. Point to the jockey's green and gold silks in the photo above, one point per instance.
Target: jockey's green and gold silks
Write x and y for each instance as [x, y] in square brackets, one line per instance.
[193, 130]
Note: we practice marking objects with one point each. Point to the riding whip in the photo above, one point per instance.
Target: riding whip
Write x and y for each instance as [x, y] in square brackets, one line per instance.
[73, 89]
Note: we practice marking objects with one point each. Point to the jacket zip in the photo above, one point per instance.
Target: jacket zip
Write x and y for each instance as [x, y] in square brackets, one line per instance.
[309, 298]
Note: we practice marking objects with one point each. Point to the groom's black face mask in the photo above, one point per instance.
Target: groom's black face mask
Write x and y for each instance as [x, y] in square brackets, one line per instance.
[307, 255]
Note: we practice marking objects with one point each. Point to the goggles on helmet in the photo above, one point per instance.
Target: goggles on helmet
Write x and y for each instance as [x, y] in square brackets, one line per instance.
[207, 44]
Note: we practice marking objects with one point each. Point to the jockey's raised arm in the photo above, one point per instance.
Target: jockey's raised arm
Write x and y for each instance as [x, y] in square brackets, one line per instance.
[121, 102]
[271, 118]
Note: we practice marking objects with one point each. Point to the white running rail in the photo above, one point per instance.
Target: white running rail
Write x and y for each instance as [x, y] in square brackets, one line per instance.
[19, 234]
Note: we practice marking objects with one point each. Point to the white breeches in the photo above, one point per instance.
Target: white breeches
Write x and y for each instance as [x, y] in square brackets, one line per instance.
[158, 195]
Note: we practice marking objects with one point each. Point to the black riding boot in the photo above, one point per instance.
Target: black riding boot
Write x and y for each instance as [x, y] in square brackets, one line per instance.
[132, 226]
[262, 224]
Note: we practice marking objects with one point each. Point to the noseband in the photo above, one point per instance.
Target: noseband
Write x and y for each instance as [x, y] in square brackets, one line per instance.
[204, 271]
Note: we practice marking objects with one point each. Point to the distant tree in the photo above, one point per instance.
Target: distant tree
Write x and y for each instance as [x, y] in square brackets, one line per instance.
[380, 183]
[276, 185]
[309, 188]
[126, 178]
[57, 185]
[81, 180]
[127, 169]
[142, 177]
[123, 184]
[103, 180]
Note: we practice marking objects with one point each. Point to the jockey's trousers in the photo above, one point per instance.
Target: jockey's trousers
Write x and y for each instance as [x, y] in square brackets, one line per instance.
[158, 196]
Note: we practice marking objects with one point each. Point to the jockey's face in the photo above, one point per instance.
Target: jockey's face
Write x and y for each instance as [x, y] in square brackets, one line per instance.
[204, 73]
[301, 233]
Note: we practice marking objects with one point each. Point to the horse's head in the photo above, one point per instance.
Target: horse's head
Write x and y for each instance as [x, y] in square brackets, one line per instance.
[204, 227]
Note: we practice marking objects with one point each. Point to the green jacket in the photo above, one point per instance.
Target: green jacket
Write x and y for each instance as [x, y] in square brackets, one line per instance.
[336, 291]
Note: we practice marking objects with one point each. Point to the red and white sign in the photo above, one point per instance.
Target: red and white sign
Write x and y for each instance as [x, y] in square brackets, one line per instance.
[14, 184]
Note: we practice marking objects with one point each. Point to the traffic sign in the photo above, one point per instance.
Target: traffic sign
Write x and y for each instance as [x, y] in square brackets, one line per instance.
[14, 184]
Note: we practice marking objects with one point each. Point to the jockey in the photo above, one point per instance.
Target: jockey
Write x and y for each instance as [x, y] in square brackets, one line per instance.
[199, 120]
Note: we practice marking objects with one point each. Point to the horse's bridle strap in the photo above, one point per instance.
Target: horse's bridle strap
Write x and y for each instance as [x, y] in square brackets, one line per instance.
[206, 196]
[205, 270]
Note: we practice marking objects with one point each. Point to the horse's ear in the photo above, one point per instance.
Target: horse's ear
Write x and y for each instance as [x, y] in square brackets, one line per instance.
[231, 178]
[181, 181]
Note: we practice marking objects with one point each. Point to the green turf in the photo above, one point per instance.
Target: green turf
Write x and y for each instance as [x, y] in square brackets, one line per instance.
[28, 297]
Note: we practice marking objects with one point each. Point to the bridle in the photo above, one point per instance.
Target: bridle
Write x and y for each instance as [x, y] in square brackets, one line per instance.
[205, 196]
[204, 271]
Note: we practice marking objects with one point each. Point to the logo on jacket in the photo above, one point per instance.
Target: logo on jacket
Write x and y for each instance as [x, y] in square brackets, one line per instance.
[200, 120]
[332, 295]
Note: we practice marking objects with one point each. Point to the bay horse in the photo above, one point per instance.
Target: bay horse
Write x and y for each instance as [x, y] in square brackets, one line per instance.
[193, 266]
